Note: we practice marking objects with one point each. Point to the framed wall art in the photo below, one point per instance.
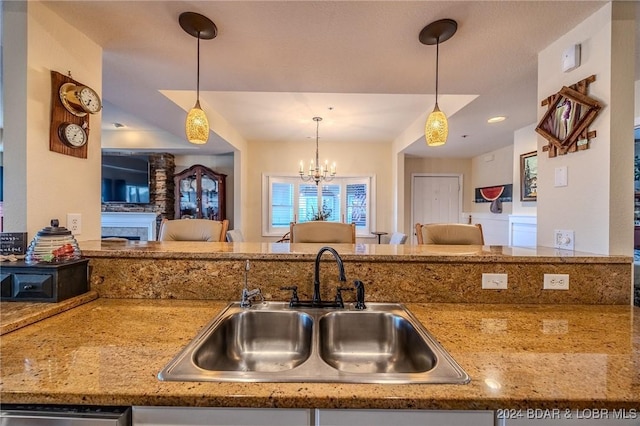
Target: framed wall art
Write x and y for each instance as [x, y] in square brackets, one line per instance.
[566, 120]
[489, 194]
[529, 176]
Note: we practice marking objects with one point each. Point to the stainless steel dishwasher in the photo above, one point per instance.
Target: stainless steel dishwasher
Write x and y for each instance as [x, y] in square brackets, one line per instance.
[63, 415]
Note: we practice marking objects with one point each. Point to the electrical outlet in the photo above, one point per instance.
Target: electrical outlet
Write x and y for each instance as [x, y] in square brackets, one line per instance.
[556, 282]
[493, 326]
[556, 326]
[494, 281]
[563, 239]
[74, 223]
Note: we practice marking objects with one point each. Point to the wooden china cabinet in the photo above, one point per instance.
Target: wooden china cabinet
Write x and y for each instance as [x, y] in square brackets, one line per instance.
[200, 194]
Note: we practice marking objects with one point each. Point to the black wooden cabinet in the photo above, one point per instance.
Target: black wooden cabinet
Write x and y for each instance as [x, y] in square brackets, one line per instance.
[44, 282]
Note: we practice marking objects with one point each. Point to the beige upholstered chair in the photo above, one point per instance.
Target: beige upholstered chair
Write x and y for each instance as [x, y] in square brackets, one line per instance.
[322, 232]
[449, 233]
[193, 230]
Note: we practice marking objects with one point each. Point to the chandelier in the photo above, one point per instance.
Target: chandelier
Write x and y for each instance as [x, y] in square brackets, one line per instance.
[316, 171]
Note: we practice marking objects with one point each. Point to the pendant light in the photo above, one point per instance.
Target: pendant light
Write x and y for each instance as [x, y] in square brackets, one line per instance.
[200, 27]
[436, 129]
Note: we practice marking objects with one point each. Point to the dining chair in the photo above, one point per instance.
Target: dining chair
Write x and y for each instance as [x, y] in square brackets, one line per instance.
[235, 236]
[322, 232]
[193, 230]
[397, 238]
[449, 233]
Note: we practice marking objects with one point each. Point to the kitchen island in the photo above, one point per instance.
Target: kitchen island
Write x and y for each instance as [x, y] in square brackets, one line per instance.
[524, 347]
[109, 352]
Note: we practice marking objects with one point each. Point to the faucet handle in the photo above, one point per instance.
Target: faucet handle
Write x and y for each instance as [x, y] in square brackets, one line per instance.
[247, 295]
[294, 294]
[359, 286]
[338, 299]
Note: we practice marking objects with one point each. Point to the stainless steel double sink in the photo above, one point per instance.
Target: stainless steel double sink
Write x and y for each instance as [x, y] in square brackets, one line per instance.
[270, 342]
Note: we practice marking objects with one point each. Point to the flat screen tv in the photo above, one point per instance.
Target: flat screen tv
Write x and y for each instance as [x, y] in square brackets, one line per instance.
[125, 178]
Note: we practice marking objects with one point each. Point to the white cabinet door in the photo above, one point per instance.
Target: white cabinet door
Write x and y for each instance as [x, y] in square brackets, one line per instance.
[327, 417]
[435, 199]
[193, 416]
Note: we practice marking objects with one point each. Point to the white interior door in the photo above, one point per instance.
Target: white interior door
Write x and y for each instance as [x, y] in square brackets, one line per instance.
[435, 199]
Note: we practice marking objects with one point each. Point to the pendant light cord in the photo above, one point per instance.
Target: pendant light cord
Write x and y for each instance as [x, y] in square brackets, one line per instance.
[437, 66]
[198, 72]
[317, 133]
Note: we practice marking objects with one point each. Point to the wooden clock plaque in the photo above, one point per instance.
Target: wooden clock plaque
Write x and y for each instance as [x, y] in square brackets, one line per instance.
[59, 115]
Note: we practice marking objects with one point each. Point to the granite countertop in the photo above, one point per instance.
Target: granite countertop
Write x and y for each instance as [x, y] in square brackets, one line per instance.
[348, 252]
[15, 315]
[109, 351]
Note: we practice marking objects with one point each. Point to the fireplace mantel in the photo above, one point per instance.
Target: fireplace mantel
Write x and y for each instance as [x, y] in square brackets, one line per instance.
[144, 220]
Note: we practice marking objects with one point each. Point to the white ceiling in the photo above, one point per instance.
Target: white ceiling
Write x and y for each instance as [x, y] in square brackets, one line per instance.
[276, 64]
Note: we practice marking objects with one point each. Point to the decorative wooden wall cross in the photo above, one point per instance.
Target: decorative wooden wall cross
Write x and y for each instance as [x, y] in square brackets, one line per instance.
[569, 114]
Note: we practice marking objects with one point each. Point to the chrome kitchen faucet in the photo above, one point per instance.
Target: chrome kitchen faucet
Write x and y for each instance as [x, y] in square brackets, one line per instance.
[248, 295]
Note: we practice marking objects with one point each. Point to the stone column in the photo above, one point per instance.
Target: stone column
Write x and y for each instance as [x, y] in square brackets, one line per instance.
[161, 187]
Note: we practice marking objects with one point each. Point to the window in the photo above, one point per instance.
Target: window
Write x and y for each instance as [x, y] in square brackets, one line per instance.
[137, 194]
[288, 199]
[282, 204]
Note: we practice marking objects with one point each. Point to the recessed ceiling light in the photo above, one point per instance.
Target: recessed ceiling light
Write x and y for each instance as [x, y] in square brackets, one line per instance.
[496, 119]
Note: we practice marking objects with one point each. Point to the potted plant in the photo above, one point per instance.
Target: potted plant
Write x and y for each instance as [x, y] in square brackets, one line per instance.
[323, 214]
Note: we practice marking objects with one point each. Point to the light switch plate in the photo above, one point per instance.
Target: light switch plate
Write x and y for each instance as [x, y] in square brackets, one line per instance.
[494, 281]
[560, 177]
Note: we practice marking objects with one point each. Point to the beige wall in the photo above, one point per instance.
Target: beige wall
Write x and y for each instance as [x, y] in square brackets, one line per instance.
[45, 184]
[598, 201]
[352, 159]
[435, 165]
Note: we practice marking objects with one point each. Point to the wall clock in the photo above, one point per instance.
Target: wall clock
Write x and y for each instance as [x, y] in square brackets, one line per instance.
[79, 100]
[72, 103]
[72, 134]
